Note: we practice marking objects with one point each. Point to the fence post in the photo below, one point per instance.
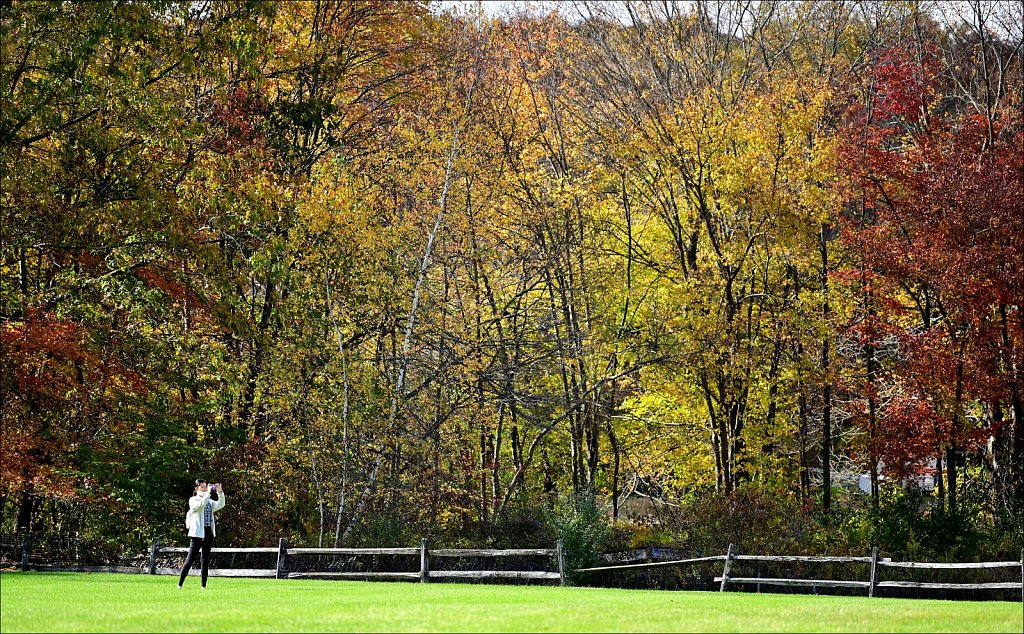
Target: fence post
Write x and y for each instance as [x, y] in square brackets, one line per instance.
[152, 554]
[1022, 575]
[874, 571]
[282, 550]
[725, 568]
[26, 549]
[561, 562]
[424, 561]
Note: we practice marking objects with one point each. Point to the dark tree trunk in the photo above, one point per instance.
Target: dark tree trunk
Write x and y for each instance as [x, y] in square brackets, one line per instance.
[1017, 448]
[25, 511]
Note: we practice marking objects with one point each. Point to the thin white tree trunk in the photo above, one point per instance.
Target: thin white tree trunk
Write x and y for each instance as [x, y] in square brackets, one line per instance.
[344, 415]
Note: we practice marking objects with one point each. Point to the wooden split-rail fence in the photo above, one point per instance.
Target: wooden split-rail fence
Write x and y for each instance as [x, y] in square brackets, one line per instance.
[424, 574]
[872, 584]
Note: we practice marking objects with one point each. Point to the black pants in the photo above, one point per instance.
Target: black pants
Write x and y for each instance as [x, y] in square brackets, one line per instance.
[198, 545]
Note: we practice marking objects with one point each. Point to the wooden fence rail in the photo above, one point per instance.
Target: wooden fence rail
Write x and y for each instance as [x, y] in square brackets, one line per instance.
[656, 564]
[871, 584]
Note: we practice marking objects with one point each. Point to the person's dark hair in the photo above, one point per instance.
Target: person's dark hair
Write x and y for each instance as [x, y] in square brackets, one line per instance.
[199, 482]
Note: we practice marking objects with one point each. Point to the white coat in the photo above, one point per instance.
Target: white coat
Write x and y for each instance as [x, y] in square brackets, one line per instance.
[194, 517]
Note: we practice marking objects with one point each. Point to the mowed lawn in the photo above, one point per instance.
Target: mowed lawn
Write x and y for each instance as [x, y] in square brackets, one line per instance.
[78, 602]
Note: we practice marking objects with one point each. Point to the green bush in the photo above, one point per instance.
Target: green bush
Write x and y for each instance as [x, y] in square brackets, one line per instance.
[583, 529]
[384, 532]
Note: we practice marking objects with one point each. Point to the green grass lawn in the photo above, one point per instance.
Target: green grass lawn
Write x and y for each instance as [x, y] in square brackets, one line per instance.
[78, 602]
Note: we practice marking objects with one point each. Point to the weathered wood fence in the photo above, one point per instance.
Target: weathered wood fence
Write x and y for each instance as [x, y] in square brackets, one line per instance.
[423, 574]
[24, 556]
[872, 584]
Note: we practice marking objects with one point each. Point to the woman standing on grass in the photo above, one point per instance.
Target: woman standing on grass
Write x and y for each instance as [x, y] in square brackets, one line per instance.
[202, 526]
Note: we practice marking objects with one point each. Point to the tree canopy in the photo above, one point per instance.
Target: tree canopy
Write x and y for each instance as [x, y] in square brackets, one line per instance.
[386, 270]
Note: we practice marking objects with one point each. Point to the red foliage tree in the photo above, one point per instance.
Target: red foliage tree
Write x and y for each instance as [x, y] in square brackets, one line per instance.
[940, 218]
[59, 392]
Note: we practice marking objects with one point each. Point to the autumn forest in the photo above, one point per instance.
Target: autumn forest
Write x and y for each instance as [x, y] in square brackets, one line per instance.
[630, 273]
